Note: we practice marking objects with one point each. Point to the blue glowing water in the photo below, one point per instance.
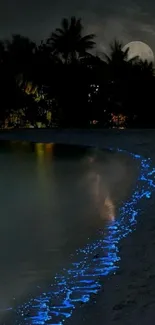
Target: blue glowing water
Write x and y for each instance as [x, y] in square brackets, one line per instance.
[82, 280]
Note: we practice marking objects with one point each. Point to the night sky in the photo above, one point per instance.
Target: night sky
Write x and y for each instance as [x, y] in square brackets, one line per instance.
[124, 19]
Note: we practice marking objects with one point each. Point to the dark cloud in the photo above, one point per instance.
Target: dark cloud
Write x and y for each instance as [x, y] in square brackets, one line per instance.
[124, 19]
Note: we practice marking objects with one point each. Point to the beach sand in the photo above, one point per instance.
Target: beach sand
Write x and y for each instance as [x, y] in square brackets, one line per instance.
[129, 296]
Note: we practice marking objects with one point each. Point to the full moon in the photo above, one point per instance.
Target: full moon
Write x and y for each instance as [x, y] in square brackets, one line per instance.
[140, 49]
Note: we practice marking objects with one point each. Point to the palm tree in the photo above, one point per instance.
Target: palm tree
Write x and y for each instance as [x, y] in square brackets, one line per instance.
[2, 52]
[68, 41]
[20, 48]
[20, 52]
[131, 84]
[117, 55]
[146, 68]
[142, 93]
[119, 69]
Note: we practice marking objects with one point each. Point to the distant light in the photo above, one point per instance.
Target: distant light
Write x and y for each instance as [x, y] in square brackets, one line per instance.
[95, 121]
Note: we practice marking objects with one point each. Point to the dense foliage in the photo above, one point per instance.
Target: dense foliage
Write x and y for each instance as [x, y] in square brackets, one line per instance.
[60, 82]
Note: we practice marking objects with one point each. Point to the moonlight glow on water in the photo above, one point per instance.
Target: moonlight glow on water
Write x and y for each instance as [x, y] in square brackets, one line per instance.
[82, 281]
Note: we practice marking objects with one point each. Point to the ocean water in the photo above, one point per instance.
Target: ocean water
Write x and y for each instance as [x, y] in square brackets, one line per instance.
[54, 198]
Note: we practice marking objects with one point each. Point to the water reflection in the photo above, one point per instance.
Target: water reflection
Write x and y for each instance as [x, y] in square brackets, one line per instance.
[111, 208]
[54, 198]
[44, 154]
[100, 197]
[43, 149]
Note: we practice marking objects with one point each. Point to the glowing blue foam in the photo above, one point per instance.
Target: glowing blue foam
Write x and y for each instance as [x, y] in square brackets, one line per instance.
[96, 260]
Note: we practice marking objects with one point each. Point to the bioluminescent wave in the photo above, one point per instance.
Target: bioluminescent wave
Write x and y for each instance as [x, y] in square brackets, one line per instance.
[82, 280]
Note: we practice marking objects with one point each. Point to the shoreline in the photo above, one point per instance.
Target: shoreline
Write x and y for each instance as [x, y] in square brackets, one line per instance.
[140, 141]
[129, 295]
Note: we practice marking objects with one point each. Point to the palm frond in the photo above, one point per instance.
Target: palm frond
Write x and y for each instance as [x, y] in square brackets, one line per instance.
[60, 31]
[65, 24]
[106, 57]
[68, 40]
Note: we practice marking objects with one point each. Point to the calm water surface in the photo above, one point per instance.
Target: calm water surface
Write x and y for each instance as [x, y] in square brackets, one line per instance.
[53, 197]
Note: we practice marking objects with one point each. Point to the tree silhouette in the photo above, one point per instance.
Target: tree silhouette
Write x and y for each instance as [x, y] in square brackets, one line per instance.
[118, 78]
[62, 77]
[68, 41]
[117, 55]
[141, 93]
[20, 48]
